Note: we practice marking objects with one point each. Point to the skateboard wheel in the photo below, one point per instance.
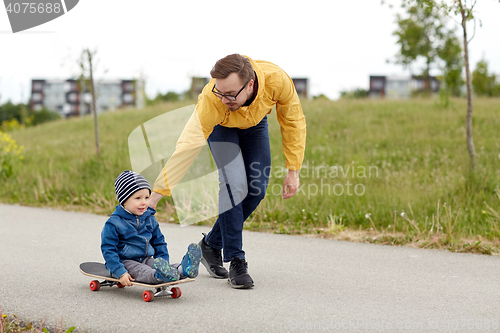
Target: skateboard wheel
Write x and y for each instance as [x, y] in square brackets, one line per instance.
[95, 285]
[176, 292]
[119, 285]
[148, 296]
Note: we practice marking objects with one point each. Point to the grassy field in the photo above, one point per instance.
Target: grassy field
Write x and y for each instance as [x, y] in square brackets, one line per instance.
[392, 172]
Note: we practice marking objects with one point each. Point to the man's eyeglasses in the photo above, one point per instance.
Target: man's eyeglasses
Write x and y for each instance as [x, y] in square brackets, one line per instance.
[228, 97]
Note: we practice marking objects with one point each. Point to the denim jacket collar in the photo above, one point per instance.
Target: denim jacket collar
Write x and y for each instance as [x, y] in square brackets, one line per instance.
[123, 213]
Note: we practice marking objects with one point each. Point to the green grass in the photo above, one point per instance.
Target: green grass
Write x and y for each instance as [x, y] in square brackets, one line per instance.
[407, 156]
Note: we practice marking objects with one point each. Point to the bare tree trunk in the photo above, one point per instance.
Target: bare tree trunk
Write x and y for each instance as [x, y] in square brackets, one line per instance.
[428, 89]
[93, 104]
[468, 119]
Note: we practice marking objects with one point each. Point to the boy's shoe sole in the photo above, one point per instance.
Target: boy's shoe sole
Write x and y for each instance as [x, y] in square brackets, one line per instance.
[191, 261]
[164, 271]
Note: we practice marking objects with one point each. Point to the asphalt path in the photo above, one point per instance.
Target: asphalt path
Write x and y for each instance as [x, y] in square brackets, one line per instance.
[301, 284]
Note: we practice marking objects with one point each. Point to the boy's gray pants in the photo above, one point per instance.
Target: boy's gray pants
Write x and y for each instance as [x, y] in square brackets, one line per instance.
[142, 271]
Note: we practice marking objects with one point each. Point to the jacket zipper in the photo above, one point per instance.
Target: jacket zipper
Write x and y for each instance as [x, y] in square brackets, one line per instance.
[147, 246]
[147, 243]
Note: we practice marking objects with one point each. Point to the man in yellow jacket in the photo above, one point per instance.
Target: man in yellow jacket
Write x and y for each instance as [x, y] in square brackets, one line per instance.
[231, 114]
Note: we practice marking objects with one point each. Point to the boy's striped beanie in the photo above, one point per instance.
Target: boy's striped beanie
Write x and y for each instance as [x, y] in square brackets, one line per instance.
[127, 183]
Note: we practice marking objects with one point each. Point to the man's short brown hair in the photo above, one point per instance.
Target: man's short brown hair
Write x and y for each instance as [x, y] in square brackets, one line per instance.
[233, 63]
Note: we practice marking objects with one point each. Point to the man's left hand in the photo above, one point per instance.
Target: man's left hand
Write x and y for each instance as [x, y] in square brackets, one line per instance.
[291, 184]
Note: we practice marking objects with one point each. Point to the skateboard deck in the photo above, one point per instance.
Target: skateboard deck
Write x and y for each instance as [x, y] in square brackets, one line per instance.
[99, 271]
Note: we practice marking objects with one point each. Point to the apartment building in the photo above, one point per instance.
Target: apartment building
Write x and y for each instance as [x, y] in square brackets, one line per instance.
[73, 98]
[400, 87]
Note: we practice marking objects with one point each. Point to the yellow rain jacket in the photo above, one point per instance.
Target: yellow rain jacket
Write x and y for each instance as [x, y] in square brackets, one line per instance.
[274, 88]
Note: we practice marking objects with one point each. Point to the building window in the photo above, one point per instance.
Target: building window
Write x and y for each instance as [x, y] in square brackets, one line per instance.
[128, 86]
[72, 97]
[37, 86]
[36, 97]
[377, 84]
[127, 98]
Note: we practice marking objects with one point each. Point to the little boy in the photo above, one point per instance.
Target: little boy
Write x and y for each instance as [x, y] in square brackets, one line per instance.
[132, 244]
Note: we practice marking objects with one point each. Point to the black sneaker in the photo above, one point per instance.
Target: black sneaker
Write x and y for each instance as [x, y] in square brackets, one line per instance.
[212, 259]
[238, 274]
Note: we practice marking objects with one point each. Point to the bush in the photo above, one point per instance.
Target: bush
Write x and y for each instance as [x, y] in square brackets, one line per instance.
[170, 96]
[16, 116]
[483, 82]
[321, 97]
[43, 116]
[355, 93]
[10, 155]
[10, 125]
[9, 111]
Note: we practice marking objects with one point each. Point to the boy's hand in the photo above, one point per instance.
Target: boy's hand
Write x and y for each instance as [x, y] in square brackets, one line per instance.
[126, 280]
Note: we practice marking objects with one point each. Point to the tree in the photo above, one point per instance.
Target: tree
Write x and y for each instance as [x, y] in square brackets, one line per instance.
[465, 13]
[451, 54]
[419, 36]
[87, 76]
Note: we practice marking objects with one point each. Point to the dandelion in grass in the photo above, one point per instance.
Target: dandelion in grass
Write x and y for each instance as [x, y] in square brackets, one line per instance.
[368, 216]
[403, 214]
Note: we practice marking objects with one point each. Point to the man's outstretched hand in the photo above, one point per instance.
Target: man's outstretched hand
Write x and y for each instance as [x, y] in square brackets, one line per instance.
[154, 199]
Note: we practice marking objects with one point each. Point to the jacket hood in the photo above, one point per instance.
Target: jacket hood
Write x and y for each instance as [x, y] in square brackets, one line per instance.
[121, 212]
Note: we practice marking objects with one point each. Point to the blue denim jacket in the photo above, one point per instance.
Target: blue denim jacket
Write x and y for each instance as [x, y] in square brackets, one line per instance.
[127, 236]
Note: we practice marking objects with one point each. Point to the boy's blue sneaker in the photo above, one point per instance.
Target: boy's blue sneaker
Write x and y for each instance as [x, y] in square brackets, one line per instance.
[191, 261]
[164, 271]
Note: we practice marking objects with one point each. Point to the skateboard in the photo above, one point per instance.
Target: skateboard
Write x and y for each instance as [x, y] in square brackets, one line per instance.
[98, 270]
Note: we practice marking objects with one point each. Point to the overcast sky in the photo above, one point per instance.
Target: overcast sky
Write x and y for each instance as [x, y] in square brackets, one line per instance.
[336, 44]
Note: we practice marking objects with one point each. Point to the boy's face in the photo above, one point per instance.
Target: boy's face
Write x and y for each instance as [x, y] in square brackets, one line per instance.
[137, 204]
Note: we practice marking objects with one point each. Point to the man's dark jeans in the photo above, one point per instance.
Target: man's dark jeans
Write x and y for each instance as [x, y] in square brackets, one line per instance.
[243, 157]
